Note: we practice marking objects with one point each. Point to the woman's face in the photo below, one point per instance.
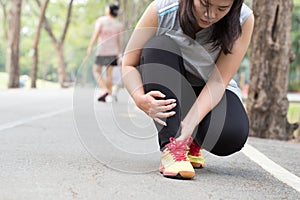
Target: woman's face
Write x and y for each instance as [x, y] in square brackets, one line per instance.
[217, 9]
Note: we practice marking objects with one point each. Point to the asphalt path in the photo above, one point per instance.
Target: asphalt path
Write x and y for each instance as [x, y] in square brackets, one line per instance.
[62, 144]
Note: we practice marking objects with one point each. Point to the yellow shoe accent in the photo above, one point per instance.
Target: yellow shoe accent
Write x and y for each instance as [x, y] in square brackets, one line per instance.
[174, 162]
[197, 161]
[195, 155]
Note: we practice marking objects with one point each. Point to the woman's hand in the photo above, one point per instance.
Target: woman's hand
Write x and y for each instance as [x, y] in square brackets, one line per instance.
[89, 51]
[155, 108]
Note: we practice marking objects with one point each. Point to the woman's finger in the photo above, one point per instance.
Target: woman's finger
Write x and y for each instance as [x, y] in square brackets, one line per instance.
[156, 94]
[165, 114]
[166, 108]
[160, 121]
[165, 102]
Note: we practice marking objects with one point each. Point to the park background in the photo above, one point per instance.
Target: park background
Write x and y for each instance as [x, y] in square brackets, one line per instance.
[62, 37]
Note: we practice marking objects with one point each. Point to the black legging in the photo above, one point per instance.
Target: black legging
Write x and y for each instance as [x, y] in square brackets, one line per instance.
[223, 131]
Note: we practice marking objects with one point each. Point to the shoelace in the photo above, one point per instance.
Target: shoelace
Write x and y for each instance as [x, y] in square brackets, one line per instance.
[178, 149]
[194, 149]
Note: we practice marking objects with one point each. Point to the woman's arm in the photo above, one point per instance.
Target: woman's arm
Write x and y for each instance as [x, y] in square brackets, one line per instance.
[226, 67]
[95, 37]
[145, 29]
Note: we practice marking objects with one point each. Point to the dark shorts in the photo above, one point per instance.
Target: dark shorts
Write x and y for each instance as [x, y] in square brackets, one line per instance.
[106, 60]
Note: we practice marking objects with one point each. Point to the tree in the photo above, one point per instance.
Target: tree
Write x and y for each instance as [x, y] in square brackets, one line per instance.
[132, 6]
[271, 55]
[35, 45]
[12, 61]
[4, 22]
[59, 43]
[4, 10]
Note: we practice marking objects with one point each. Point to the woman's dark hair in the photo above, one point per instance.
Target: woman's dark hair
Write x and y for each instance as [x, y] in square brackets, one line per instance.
[224, 32]
[113, 9]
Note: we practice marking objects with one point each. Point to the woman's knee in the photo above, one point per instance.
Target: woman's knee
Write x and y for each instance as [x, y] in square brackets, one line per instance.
[163, 42]
[231, 140]
[234, 127]
[158, 48]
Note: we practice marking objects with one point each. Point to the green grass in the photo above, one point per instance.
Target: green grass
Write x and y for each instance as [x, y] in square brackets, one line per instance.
[40, 83]
[294, 112]
[294, 116]
[3, 80]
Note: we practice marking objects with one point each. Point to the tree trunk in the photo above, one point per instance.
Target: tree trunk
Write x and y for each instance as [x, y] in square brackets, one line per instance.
[127, 18]
[34, 69]
[59, 44]
[4, 10]
[62, 75]
[12, 62]
[270, 57]
[61, 65]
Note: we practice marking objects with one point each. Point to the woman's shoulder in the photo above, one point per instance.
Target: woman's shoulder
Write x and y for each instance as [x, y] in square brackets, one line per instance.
[246, 11]
[100, 19]
[166, 6]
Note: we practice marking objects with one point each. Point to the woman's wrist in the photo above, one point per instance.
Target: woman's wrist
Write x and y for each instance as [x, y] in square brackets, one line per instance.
[186, 131]
[137, 98]
[191, 124]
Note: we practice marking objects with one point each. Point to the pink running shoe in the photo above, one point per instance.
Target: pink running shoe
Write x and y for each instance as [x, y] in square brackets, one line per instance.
[195, 155]
[174, 162]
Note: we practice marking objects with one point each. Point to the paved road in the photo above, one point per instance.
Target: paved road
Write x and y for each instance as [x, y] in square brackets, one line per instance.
[61, 144]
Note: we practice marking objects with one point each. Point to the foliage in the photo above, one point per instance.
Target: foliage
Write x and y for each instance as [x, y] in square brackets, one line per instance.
[294, 84]
[84, 14]
[2, 45]
[294, 115]
[2, 59]
[80, 32]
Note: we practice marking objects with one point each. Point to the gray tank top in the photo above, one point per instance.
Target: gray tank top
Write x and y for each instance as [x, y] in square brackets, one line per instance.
[199, 59]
